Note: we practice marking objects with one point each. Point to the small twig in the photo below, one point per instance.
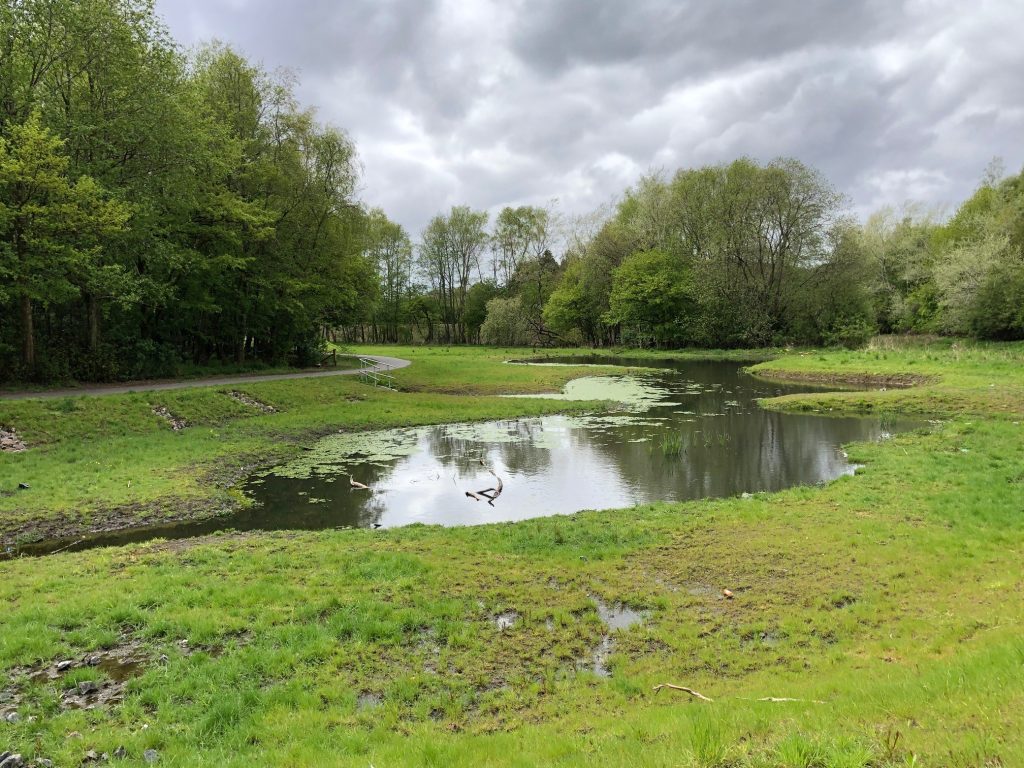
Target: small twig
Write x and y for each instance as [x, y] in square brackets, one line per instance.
[684, 689]
[69, 546]
[784, 698]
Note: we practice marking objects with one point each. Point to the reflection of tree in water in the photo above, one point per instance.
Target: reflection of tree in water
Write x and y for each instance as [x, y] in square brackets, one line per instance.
[284, 503]
[518, 451]
[726, 445]
[729, 445]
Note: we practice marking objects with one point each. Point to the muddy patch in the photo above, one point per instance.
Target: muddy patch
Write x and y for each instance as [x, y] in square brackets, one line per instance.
[177, 423]
[97, 679]
[701, 589]
[10, 442]
[118, 526]
[856, 380]
[366, 701]
[505, 620]
[599, 658]
[252, 402]
[616, 617]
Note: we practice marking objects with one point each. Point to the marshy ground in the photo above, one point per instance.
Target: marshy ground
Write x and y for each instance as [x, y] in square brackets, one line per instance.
[888, 604]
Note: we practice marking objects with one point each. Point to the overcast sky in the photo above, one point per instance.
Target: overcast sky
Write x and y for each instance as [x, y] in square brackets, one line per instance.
[521, 101]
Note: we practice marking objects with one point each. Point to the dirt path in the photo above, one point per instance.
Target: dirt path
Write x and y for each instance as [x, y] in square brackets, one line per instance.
[152, 386]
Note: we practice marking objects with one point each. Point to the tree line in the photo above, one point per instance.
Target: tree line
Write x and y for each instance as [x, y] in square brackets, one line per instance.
[742, 254]
[162, 209]
[159, 209]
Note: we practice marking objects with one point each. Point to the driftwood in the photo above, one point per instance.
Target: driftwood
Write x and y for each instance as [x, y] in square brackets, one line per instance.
[702, 697]
[786, 698]
[69, 546]
[488, 493]
[684, 689]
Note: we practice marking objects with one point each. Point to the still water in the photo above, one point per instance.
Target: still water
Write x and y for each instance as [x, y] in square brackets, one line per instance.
[689, 432]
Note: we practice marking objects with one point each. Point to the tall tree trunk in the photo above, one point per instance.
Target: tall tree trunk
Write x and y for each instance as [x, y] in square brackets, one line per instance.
[240, 345]
[28, 337]
[94, 322]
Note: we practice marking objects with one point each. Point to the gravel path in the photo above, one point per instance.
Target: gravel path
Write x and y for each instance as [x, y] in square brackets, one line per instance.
[152, 386]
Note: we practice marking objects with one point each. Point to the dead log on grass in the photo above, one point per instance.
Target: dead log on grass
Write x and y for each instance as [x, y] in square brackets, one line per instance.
[684, 689]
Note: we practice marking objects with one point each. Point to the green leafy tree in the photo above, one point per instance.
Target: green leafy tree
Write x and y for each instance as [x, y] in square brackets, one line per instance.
[478, 298]
[389, 249]
[506, 324]
[53, 231]
[449, 255]
[652, 300]
[520, 234]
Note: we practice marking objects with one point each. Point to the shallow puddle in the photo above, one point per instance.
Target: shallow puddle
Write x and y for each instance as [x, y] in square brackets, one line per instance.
[619, 616]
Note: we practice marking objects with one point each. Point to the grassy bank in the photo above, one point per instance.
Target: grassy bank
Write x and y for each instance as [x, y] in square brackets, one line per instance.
[889, 604]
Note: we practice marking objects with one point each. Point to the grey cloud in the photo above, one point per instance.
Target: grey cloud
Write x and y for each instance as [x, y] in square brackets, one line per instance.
[695, 35]
[490, 103]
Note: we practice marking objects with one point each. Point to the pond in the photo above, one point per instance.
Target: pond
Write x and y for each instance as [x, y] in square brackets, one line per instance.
[691, 431]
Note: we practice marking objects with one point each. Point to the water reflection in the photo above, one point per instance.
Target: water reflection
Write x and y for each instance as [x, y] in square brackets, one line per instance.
[705, 436]
[691, 432]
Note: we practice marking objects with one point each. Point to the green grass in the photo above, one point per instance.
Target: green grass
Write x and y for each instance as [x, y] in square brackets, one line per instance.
[956, 377]
[895, 597]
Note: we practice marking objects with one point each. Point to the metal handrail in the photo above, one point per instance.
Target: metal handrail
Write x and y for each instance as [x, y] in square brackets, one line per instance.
[376, 372]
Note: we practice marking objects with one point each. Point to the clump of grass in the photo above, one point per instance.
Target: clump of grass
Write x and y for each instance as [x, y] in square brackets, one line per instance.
[707, 740]
[672, 445]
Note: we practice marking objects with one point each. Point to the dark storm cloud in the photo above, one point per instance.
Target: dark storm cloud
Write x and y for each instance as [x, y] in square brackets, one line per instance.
[491, 103]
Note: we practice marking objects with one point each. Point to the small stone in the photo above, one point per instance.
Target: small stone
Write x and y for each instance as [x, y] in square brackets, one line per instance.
[12, 718]
[12, 761]
[90, 756]
[24, 486]
[150, 756]
[87, 686]
[42, 762]
[105, 756]
[120, 752]
[64, 665]
[727, 593]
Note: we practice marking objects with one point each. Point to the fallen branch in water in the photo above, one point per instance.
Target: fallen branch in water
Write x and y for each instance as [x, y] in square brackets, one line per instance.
[488, 493]
[69, 546]
[684, 689]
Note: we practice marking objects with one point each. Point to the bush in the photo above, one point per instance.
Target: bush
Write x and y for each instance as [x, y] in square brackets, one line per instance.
[506, 324]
